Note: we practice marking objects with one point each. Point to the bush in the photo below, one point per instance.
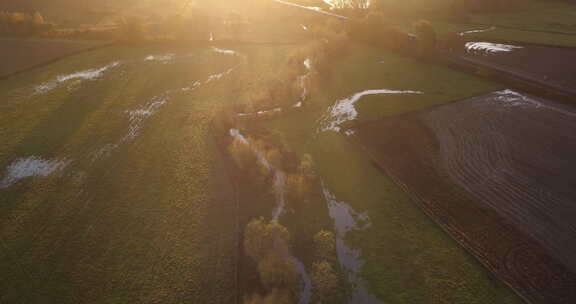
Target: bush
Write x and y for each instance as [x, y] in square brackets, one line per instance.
[276, 296]
[262, 238]
[22, 24]
[278, 272]
[325, 282]
[325, 245]
[299, 185]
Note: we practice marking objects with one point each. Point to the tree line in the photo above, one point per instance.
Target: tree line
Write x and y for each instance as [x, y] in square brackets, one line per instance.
[23, 24]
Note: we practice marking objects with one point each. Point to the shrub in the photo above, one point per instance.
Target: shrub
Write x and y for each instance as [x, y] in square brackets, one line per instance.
[276, 296]
[278, 271]
[262, 238]
[17, 23]
[325, 245]
[324, 282]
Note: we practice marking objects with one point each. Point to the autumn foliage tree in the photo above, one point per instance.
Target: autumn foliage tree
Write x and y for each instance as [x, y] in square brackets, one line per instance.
[23, 24]
[276, 296]
[268, 243]
[325, 282]
[325, 245]
[300, 184]
[262, 237]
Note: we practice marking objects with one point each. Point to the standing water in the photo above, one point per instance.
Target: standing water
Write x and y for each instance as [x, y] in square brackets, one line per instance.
[347, 219]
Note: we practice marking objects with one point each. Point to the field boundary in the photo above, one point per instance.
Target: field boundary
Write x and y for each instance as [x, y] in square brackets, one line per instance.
[54, 60]
[495, 258]
[516, 80]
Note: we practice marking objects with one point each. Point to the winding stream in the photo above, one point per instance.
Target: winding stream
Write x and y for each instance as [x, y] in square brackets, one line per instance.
[279, 192]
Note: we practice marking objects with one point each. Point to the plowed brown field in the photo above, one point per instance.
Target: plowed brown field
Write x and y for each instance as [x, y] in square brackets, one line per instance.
[497, 172]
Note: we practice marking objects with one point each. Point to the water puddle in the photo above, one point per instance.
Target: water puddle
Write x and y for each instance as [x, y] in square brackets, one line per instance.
[260, 113]
[32, 166]
[509, 98]
[225, 52]
[347, 219]
[492, 28]
[137, 117]
[166, 58]
[219, 75]
[344, 110]
[91, 74]
[311, 8]
[488, 48]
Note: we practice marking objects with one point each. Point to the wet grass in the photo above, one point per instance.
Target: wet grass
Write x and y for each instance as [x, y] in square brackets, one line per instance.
[508, 34]
[408, 258]
[151, 220]
[550, 16]
[548, 23]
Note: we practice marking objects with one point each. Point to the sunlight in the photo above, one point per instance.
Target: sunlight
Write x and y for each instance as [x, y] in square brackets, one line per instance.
[287, 151]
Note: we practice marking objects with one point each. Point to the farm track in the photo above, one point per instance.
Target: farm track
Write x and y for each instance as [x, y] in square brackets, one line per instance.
[495, 172]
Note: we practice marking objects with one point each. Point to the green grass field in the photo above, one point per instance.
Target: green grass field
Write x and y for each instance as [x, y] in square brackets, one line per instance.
[551, 23]
[408, 259]
[545, 16]
[143, 210]
[139, 204]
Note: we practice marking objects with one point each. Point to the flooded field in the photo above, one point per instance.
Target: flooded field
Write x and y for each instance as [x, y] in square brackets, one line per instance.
[115, 152]
[495, 171]
[109, 177]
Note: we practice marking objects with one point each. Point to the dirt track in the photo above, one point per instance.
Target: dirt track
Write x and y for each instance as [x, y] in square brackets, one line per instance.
[496, 172]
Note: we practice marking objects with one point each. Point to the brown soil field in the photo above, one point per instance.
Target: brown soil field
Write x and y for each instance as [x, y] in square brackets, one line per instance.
[497, 173]
[22, 54]
[544, 63]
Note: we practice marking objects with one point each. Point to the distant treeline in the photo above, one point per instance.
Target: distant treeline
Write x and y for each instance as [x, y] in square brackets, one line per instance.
[23, 24]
